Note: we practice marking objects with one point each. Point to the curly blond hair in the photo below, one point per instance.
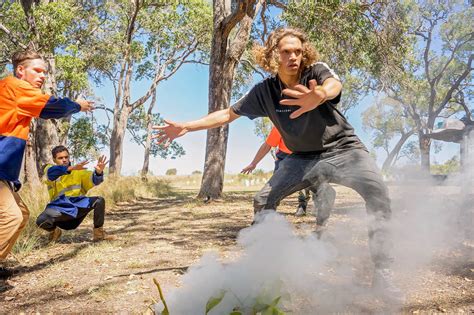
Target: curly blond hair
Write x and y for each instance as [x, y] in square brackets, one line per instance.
[267, 56]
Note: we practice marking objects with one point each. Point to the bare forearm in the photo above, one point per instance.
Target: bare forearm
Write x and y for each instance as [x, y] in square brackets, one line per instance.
[331, 87]
[213, 120]
[264, 149]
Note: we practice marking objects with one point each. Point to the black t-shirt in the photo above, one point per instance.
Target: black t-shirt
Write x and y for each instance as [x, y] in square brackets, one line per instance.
[321, 129]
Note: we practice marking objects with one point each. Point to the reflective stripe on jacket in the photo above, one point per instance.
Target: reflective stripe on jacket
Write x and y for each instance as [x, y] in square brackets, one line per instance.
[74, 184]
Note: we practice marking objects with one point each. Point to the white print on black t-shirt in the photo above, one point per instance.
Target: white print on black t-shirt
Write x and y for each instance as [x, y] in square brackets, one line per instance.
[284, 110]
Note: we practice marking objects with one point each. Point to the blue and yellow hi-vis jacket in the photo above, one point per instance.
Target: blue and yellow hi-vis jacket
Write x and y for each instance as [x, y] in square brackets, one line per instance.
[67, 190]
[19, 103]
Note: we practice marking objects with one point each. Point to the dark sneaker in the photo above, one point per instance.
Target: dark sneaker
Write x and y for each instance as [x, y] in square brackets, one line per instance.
[300, 212]
[383, 286]
[5, 273]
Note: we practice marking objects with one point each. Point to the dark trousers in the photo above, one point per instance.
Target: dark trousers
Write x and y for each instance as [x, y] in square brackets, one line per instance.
[51, 218]
[324, 202]
[352, 168]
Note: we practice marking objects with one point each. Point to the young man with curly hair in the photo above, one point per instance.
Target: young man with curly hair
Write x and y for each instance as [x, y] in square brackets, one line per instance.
[300, 99]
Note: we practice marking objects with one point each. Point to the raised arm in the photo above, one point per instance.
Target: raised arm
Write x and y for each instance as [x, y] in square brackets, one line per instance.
[172, 130]
[55, 171]
[31, 102]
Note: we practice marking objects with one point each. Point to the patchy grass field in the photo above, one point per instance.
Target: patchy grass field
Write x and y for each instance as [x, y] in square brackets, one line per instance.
[160, 237]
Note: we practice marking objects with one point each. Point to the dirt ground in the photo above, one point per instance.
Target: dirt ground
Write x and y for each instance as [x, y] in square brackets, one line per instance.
[161, 238]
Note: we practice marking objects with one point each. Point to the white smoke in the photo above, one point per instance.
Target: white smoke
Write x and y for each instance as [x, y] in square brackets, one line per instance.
[274, 261]
[331, 274]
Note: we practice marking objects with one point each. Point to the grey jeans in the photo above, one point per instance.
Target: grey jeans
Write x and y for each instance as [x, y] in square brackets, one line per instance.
[353, 168]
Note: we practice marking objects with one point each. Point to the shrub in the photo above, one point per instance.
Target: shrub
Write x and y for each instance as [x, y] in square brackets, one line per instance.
[171, 171]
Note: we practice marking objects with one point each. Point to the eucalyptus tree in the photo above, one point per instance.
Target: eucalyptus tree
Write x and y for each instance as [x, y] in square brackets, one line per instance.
[436, 81]
[151, 41]
[391, 127]
[232, 25]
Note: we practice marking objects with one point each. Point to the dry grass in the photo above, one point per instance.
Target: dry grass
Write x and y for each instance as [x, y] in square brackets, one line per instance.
[238, 182]
[113, 189]
[35, 198]
[119, 189]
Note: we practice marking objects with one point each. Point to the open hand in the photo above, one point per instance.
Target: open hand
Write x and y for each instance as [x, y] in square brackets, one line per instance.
[167, 133]
[86, 106]
[78, 167]
[248, 169]
[307, 98]
[101, 163]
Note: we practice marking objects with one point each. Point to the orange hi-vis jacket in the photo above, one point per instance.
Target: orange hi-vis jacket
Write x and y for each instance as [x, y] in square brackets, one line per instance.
[275, 140]
[19, 103]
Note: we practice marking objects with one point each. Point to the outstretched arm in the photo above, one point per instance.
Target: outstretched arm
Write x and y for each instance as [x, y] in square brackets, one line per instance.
[63, 107]
[56, 171]
[264, 149]
[31, 102]
[172, 130]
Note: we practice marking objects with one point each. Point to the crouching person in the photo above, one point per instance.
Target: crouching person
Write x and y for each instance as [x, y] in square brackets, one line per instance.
[67, 188]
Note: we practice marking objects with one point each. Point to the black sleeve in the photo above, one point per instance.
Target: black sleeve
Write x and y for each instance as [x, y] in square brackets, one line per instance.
[321, 72]
[251, 104]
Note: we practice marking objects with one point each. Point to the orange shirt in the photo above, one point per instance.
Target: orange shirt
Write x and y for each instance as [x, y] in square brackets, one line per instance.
[19, 103]
[275, 140]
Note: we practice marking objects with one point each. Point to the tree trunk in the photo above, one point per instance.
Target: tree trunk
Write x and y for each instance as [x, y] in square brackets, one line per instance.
[224, 58]
[30, 168]
[214, 166]
[425, 146]
[216, 143]
[47, 132]
[46, 138]
[116, 142]
[388, 163]
[146, 157]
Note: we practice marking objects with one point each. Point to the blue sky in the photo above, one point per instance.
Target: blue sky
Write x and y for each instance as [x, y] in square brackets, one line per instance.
[185, 97]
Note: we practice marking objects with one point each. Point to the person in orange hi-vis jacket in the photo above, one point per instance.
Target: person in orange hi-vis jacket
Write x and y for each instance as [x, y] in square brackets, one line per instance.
[21, 100]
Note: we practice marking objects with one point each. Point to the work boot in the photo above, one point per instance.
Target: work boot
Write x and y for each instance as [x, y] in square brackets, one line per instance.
[300, 212]
[54, 235]
[100, 235]
[5, 273]
[383, 286]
